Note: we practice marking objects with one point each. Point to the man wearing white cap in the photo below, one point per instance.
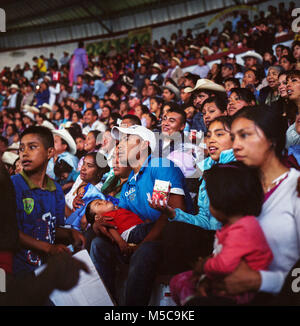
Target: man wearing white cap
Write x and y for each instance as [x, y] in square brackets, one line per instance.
[135, 144]
[65, 149]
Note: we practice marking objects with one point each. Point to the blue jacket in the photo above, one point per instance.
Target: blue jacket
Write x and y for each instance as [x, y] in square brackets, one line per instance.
[204, 219]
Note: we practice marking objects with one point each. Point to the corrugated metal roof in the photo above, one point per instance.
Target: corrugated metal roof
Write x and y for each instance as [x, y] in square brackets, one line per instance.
[32, 22]
[21, 14]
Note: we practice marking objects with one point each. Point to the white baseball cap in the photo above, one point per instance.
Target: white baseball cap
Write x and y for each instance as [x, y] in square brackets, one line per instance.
[143, 132]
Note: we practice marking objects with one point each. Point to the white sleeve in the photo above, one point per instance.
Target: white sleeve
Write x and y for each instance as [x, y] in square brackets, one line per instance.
[69, 197]
[272, 281]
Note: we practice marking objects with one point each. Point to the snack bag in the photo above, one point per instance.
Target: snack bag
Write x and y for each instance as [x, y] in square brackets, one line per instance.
[161, 190]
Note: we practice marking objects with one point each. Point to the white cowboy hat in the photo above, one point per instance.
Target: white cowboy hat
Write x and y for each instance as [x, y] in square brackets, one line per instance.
[66, 136]
[9, 158]
[29, 108]
[46, 106]
[48, 125]
[205, 84]
[253, 54]
[194, 47]
[29, 115]
[173, 89]
[209, 51]
[13, 146]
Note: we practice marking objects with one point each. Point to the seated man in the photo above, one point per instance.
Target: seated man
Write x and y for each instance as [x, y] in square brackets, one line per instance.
[136, 142]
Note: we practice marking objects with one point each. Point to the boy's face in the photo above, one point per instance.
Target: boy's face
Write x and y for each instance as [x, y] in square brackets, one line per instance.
[33, 155]
[100, 207]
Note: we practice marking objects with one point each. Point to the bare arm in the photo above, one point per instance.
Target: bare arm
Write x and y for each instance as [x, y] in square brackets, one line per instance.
[29, 242]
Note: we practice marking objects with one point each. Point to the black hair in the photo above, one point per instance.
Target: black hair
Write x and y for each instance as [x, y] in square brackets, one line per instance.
[61, 166]
[226, 121]
[101, 163]
[244, 94]
[14, 127]
[133, 118]
[177, 109]
[270, 122]
[43, 133]
[4, 140]
[90, 216]
[94, 112]
[219, 102]
[235, 81]
[256, 74]
[292, 74]
[244, 194]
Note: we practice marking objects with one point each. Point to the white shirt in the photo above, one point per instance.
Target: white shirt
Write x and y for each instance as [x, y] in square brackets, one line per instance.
[97, 125]
[280, 221]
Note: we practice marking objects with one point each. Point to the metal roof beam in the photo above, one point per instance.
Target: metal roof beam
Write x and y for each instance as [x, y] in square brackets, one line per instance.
[43, 13]
[97, 18]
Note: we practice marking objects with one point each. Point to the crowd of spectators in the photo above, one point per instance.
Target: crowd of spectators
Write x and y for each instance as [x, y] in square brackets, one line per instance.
[86, 137]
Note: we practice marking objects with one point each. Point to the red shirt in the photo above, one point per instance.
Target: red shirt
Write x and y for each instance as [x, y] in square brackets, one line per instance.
[123, 219]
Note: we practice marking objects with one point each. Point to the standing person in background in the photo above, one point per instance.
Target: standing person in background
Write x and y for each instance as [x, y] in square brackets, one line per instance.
[78, 63]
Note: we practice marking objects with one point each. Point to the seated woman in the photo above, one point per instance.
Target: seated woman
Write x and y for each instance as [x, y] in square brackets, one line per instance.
[270, 93]
[90, 173]
[258, 140]
[90, 145]
[196, 232]
[239, 98]
[117, 177]
[212, 108]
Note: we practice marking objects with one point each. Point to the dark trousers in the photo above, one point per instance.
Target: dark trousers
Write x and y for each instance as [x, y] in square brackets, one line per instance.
[182, 244]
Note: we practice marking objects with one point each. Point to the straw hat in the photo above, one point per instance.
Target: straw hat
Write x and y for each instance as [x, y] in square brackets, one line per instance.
[205, 84]
[156, 65]
[176, 60]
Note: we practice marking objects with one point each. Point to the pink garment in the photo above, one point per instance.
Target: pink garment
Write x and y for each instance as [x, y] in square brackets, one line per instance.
[241, 240]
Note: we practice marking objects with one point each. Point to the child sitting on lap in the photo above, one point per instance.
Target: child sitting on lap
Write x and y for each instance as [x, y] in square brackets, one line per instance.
[240, 238]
